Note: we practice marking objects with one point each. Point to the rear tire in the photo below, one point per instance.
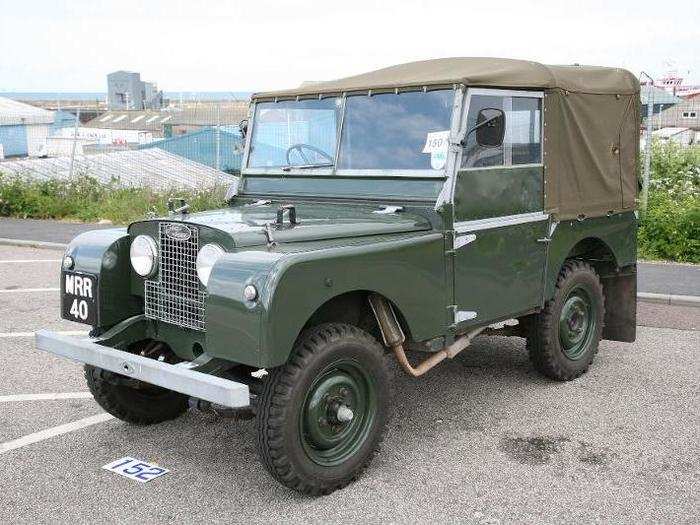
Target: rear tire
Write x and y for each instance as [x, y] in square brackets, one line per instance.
[321, 416]
[145, 405]
[564, 337]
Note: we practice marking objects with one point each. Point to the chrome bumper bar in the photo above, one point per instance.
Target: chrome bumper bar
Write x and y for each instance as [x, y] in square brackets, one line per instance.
[173, 377]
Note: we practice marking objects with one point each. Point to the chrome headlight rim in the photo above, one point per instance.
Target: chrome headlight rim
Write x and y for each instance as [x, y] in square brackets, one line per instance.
[206, 259]
[145, 261]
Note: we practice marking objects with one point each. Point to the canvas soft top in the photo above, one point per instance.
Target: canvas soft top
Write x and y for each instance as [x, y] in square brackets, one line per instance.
[478, 71]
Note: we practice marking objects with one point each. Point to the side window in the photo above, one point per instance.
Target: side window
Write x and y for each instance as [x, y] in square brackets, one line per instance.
[523, 133]
[522, 142]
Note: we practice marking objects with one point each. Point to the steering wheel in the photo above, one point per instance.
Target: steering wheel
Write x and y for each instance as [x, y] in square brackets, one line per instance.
[301, 147]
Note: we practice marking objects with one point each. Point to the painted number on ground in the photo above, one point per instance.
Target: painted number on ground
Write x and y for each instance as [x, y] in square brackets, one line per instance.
[136, 469]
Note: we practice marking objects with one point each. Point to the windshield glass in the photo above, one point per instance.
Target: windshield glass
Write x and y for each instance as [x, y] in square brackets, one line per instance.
[386, 131]
[295, 133]
[396, 131]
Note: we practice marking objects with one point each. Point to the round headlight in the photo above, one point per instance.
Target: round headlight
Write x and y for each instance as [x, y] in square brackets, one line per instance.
[206, 258]
[144, 255]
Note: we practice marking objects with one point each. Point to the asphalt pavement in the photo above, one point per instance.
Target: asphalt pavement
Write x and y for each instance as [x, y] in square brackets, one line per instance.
[480, 439]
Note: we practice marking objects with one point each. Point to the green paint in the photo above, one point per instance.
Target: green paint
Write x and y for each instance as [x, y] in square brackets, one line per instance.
[577, 323]
[328, 439]
[405, 189]
[495, 192]
[499, 274]
[617, 232]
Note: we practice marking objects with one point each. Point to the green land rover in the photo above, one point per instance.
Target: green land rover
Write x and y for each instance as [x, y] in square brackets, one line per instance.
[406, 209]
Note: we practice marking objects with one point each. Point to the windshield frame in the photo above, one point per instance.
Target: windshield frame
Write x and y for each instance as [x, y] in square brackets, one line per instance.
[334, 171]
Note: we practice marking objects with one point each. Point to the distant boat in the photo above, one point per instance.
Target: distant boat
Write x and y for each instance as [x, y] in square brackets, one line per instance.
[672, 83]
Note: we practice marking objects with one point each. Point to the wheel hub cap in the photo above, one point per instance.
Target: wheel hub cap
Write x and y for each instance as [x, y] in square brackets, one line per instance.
[337, 414]
[576, 324]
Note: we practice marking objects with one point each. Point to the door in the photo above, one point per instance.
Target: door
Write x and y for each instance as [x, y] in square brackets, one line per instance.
[500, 227]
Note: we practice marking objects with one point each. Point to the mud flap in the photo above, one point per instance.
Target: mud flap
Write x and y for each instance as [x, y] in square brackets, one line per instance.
[620, 290]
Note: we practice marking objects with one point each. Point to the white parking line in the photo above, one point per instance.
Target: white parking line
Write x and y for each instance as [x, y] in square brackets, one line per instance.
[25, 290]
[31, 334]
[9, 261]
[42, 435]
[45, 397]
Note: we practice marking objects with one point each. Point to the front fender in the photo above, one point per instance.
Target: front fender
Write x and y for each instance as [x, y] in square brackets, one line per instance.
[105, 253]
[408, 271]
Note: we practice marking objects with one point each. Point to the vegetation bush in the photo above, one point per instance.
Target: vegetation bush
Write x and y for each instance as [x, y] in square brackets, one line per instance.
[670, 228]
[86, 199]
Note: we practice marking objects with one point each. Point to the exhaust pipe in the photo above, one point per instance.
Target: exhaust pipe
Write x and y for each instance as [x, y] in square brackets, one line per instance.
[394, 338]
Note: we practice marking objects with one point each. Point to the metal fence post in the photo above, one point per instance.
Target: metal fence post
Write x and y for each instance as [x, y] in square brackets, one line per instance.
[218, 135]
[647, 145]
[75, 143]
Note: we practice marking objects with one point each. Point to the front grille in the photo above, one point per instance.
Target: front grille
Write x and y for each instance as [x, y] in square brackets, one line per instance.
[175, 295]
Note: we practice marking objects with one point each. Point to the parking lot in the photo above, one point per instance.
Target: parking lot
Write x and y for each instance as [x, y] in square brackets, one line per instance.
[481, 439]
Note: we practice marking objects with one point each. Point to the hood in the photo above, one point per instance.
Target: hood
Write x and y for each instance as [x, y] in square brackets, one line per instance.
[246, 224]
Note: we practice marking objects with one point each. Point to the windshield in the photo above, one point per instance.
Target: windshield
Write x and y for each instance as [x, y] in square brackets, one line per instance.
[295, 133]
[389, 131]
[386, 131]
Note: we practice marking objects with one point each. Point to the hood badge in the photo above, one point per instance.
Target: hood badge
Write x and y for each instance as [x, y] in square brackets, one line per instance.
[178, 232]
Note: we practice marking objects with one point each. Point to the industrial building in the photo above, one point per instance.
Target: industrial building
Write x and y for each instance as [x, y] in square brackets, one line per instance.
[126, 90]
[23, 129]
[173, 120]
[220, 148]
[660, 98]
[683, 115]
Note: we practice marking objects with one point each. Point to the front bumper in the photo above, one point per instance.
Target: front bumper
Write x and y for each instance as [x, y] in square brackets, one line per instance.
[178, 377]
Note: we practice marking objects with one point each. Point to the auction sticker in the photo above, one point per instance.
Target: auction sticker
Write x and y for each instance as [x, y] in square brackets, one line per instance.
[436, 144]
[136, 469]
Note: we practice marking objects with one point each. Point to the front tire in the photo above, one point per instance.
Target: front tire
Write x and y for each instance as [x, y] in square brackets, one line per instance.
[142, 405]
[321, 416]
[564, 337]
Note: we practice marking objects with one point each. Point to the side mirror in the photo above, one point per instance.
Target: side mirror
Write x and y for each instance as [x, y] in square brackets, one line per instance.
[490, 127]
[243, 127]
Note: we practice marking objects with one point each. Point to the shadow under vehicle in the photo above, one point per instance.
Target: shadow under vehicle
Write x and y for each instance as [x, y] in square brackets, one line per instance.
[409, 208]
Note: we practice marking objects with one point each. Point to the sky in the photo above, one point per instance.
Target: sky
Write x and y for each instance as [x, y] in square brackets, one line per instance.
[191, 45]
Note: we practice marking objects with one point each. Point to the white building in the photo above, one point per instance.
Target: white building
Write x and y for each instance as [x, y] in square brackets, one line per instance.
[23, 128]
[61, 142]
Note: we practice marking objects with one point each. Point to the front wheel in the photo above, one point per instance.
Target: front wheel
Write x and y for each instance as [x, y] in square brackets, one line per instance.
[321, 416]
[563, 338]
[134, 402]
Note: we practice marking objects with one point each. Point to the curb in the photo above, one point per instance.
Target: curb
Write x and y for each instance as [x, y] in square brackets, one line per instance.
[33, 244]
[673, 300]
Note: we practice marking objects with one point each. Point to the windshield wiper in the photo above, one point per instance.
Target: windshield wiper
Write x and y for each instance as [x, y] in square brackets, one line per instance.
[307, 166]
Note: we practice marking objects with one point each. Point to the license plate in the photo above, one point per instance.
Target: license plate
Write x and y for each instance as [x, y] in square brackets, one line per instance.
[79, 297]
